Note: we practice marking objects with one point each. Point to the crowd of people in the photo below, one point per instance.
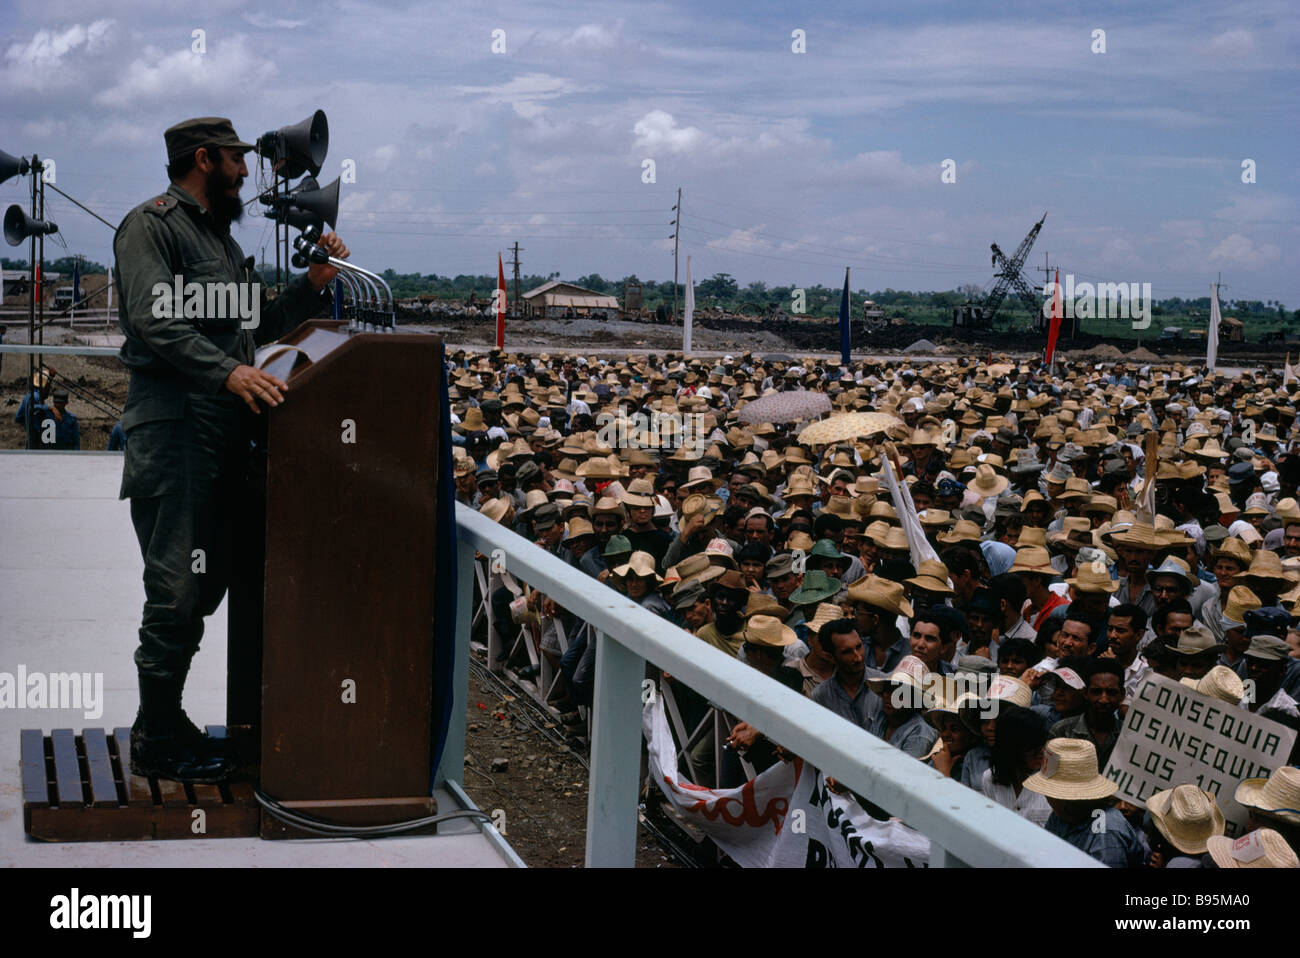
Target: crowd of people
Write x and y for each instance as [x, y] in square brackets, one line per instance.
[1071, 535]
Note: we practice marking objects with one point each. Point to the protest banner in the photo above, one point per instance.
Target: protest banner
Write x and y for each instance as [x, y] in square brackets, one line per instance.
[784, 818]
[1174, 735]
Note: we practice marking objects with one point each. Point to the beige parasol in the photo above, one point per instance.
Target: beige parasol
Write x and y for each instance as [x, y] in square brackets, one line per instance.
[846, 426]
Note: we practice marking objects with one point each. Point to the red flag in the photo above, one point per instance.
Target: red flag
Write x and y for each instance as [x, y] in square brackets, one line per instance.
[501, 303]
[1055, 328]
[39, 281]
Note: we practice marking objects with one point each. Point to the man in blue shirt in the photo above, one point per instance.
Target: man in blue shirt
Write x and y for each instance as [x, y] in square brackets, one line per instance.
[55, 427]
[846, 693]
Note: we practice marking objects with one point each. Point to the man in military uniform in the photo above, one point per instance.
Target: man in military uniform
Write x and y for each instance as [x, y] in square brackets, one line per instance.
[189, 436]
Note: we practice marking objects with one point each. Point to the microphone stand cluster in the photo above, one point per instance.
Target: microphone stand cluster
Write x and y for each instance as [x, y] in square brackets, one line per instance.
[372, 309]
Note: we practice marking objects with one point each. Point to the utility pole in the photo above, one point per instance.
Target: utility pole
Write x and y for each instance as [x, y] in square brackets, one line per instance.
[677, 232]
[1047, 278]
[515, 250]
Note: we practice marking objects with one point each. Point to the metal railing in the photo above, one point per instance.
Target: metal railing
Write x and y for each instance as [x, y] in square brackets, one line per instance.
[964, 827]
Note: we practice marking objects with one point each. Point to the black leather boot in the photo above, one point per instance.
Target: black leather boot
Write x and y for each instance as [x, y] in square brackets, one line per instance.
[164, 744]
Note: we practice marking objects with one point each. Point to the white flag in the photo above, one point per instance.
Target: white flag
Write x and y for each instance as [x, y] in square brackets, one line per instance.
[690, 309]
[1212, 334]
[917, 543]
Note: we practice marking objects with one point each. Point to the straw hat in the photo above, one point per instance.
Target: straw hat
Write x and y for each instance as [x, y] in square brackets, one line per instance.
[932, 577]
[720, 549]
[1240, 601]
[909, 671]
[696, 504]
[826, 612]
[1138, 536]
[1262, 848]
[1032, 536]
[962, 531]
[891, 538]
[1006, 688]
[1277, 796]
[935, 518]
[1232, 548]
[699, 479]
[1195, 640]
[1070, 773]
[880, 594]
[498, 510]
[577, 528]
[1221, 683]
[769, 631]
[640, 492]
[1266, 566]
[473, 421]
[1187, 817]
[695, 568]
[987, 482]
[639, 563]
[1033, 559]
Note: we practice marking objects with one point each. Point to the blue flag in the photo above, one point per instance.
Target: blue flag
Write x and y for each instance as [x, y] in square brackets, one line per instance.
[844, 321]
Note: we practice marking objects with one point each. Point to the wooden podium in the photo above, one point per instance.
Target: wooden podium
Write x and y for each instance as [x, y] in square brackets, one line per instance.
[331, 662]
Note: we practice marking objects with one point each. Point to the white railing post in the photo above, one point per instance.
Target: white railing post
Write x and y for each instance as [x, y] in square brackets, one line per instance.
[452, 765]
[615, 755]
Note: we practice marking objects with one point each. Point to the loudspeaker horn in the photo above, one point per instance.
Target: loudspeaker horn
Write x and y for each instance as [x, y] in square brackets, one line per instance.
[19, 226]
[12, 165]
[324, 203]
[299, 218]
[302, 146]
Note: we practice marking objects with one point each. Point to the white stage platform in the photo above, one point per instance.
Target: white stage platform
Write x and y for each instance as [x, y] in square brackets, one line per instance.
[70, 601]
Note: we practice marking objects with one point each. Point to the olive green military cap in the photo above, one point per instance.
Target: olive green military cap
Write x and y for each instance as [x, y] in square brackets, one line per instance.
[188, 135]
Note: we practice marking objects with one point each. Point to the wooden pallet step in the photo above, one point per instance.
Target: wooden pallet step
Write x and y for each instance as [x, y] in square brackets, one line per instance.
[80, 788]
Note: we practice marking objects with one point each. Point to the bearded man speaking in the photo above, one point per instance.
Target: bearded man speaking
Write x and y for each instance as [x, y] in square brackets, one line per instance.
[193, 385]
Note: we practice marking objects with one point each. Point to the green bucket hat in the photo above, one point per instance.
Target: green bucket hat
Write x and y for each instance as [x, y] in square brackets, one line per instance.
[617, 545]
[817, 587]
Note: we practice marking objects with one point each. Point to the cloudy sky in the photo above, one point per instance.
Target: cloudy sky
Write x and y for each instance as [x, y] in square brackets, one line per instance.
[792, 165]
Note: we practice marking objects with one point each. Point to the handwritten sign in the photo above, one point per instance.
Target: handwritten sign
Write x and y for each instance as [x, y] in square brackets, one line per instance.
[1174, 735]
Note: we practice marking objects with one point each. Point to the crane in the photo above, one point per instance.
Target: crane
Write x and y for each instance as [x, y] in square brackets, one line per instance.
[1007, 275]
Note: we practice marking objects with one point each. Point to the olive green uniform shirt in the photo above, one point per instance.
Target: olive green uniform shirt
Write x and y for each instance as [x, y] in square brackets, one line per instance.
[178, 362]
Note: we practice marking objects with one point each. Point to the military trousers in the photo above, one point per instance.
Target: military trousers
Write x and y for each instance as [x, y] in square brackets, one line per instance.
[186, 479]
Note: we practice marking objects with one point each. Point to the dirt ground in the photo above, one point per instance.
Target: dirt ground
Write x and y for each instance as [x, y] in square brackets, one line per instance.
[96, 384]
[543, 788]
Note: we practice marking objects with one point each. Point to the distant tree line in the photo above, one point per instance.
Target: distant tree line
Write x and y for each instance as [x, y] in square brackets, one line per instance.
[721, 290]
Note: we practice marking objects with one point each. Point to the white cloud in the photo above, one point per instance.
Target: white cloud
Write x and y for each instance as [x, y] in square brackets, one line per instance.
[658, 130]
[47, 48]
[264, 22]
[524, 94]
[383, 157]
[1232, 43]
[1237, 250]
[155, 76]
